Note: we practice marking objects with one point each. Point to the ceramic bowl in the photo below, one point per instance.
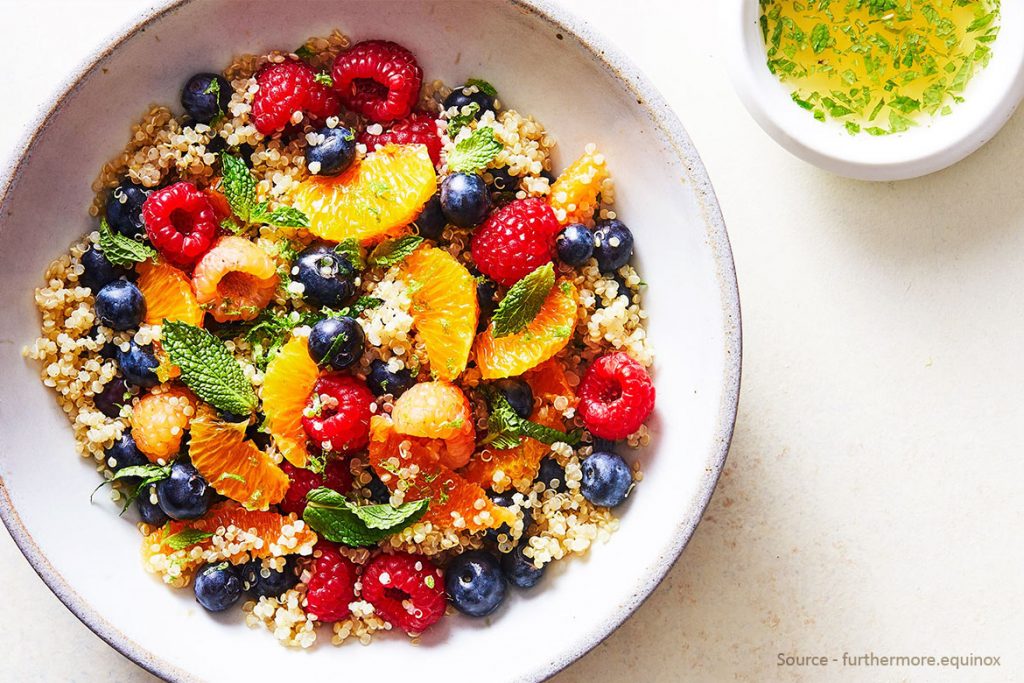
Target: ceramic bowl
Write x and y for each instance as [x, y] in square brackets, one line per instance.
[544, 63]
[990, 99]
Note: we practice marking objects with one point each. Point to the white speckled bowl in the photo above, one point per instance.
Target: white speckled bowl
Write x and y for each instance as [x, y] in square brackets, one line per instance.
[544, 63]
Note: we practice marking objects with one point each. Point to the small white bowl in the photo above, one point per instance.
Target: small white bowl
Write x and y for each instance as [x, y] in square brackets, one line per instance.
[991, 98]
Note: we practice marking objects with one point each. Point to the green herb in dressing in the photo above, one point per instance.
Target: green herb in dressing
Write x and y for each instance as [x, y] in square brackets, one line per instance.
[878, 66]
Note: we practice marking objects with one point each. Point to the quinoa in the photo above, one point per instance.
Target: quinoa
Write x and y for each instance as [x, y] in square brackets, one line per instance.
[75, 350]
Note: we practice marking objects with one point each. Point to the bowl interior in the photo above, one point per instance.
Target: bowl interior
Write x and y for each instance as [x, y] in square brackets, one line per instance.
[91, 558]
[990, 99]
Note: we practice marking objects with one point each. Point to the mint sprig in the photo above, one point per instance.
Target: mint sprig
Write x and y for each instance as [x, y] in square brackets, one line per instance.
[208, 368]
[339, 520]
[239, 187]
[121, 250]
[390, 252]
[458, 121]
[350, 249]
[483, 86]
[523, 301]
[147, 474]
[474, 153]
[186, 538]
[506, 428]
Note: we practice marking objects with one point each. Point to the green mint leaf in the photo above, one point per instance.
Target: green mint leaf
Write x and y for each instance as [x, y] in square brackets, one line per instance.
[390, 252]
[305, 52]
[505, 427]
[483, 86]
[502, 422]
[121, 250]
[208, 368]
[548, 435]
[238, 186]
[339, 520]
[461, 120]
[820, 38]
[388, 518]
[324, 78]
[364, 303]
[475, 152]
[523, 301]
[149, 474]
[350, 249]
[229, 224]
[186, 538]
[285, 217]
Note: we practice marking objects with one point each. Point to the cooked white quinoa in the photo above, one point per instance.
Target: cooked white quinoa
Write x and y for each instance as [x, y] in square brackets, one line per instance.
[160, 147]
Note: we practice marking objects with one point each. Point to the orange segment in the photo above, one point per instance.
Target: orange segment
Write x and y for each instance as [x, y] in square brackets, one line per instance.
[256, 535]
[372, 199]
[454, 502]
[546, 335]
[444, 309]
[438, 410]
[517, 467]
[159, 421]
[235, 280]
[287, 386]
[574, 194]
[168, 293]
[234, 466]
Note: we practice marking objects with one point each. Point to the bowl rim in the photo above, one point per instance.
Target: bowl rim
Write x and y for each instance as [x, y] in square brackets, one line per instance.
[672, 132]
[923, 150]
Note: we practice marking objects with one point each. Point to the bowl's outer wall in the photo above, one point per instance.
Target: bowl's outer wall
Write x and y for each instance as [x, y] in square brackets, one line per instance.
[541, 63]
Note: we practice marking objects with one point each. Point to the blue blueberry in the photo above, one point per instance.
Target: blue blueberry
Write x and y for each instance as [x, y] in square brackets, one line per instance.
[505, 501]
[114, 396]
[475, 583]
[255, 433]
[487, 298]
[382, 381]
[218, 586]
[379, 491]
[502, 180]
[613, 245]
[124, 453]
[124, 209]
[205, 96]
[326, 275]
[464, 199]
[150, 512]
[519, 569]
[185, 494]
[138, 365]
[228, 416]
[337, 342]
[431, 221]
[518, 394]
[98, 270]
[575, 244]
[552, 474]
[262, 581]
[334, 151]
[461, 97]
[120, 305]
[606, 480]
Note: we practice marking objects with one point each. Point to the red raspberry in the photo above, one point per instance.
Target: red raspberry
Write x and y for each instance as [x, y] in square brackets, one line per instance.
[419, 129]
[181, 223]
[331, 588]
[516, 239]
[406, 590]
[288, 87]
[337, 417]
[616, 396]
[378, 79]
[336, 476]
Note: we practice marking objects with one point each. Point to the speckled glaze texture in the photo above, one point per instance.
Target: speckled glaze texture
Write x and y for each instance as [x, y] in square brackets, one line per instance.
[710, 412]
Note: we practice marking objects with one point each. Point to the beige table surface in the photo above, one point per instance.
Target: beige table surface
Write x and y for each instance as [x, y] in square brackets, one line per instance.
[872, 500]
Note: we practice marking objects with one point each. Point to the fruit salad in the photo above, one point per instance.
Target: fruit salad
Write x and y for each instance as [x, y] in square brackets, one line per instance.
[347, 347]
